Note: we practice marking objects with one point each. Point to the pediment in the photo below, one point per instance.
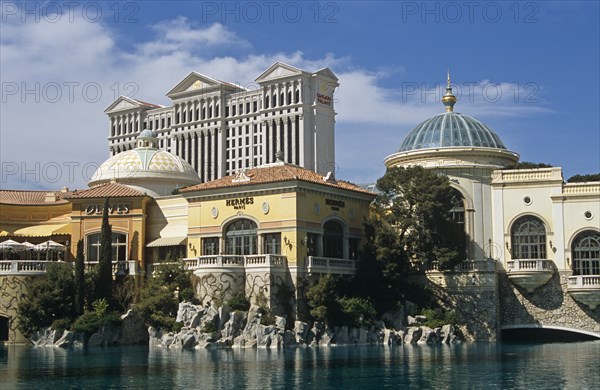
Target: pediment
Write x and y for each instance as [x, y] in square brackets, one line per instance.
[327, 73]
[278, 70]
[123, 103]
[193, 82]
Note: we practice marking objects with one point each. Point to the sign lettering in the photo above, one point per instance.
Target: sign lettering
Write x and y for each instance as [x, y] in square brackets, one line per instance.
[239, 203]
[112, 209]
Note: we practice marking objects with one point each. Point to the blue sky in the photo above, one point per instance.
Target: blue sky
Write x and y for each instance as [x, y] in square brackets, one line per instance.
[529, 70]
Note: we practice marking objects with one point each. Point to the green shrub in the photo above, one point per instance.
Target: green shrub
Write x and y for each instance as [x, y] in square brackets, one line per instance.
[267, 318]
[177, 327]
[94, 321]
[438, 317]
[209, 327]
[239, 302]
[357, 312]
[61, 324]
[187, 294]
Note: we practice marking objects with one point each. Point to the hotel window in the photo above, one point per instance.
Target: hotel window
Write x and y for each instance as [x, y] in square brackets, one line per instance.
[247, 107]
[528, 238]
[217, 110]
[255, 106]
[227, 111]
[273, 243]
[173, 252]
[241, 107]
[119, 247]
[241, 238]
[281, 99]
[333, 240]
[353, 248]
[289, 97]
[267, 102]
[210, 246]
[586, 253]
[297, 96]
[233, 111]
[274, 100]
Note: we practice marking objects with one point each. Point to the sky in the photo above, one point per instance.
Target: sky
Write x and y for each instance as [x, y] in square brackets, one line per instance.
[529, 70]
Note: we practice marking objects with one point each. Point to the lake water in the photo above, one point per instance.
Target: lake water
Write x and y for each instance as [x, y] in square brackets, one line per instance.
[466, 366]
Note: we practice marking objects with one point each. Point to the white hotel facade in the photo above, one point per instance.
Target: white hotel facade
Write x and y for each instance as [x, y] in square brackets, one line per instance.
[220, 128]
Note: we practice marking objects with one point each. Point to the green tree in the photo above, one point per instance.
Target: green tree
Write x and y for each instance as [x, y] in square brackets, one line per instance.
[529, 165]
[104, 279]
[48, 299]
[79, 279]
[584, 178]
[410, 223]
[158, 301]
[322, 300]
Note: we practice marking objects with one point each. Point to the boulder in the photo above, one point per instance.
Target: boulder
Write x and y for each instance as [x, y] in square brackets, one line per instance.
[289, 338]
[413, 334]
[224, 313]
[326, 338]
[315, 333]
[186, 312]
[265, 336]
[394, 318]
[70, 340]
[280, 323]
[301, 332]
[234, 326]
[428, 336]
[340, 335]
[446, 333]
[167, 339]
[96, 340]
[390, 337]
[188, 341]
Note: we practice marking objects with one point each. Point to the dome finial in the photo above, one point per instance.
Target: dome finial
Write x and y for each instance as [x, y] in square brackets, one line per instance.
[449, 99]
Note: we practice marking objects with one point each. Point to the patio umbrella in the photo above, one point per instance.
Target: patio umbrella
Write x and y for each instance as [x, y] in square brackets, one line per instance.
[49, 245]
[27, 245]
[11, 245]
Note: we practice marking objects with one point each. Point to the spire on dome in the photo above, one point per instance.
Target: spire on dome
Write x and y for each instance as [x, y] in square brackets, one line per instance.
[449, 99]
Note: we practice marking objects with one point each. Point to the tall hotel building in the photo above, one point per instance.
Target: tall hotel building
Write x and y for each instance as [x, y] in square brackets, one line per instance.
[220, 128]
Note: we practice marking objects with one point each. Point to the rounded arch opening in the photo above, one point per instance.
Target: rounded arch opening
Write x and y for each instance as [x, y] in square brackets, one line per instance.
[241, 237]
[585, 249]
[528, 238]
[333, 239]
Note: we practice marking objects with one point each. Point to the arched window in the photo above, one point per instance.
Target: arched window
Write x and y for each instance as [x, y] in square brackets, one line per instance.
[119, 247]
[333, 240]
[457, 212]
[528, 238]
[586, 253]
[297, 100]
[241, 238]
[267, 102]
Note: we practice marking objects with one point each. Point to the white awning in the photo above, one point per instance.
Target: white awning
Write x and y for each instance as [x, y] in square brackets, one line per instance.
[167, 241]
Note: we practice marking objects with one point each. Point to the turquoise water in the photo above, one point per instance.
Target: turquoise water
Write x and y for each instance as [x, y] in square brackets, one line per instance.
[467, 366]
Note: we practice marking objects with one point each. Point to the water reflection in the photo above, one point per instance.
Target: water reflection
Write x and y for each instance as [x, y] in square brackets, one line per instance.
[490, 366]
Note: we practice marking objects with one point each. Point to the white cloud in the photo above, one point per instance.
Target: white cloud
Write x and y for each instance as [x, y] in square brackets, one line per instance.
[41, 127]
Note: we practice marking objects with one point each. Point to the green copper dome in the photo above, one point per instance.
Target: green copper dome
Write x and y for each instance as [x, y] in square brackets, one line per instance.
[451, 129]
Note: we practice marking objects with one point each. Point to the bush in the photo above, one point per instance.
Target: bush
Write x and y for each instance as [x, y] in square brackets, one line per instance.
[94, 321]
[436, 318]
[209, 327]
[239, 302]
[61, 324]
[267, 318]
[357, 312]
[48, 299]
[177, 327]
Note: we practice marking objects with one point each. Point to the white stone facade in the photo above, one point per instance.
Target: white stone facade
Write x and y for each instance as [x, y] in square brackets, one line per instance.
[220, 128]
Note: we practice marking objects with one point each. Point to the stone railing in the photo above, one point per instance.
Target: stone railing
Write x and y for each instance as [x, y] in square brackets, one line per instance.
[530, 265]
[526, 175]
[330, 265]
[124, 267]
[189, 264]
[235, 261]
[581, 188]
[487, 265]
[584, 282]
[26, 267]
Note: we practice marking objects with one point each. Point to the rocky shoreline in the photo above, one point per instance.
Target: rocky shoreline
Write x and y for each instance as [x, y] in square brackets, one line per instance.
[212, 327]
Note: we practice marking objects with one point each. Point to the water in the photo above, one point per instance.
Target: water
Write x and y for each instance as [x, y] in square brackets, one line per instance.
[467, 366]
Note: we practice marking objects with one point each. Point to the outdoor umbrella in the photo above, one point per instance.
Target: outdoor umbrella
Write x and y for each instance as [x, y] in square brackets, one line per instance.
[10, 245]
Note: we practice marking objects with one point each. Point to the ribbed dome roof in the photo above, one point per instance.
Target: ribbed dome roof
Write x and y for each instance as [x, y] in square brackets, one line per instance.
[451, 129]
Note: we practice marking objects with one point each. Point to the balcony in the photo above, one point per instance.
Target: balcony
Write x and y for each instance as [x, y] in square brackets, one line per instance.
[585, 289]
[38, 267]
[328, 265]
[530, 273]
[231, 262]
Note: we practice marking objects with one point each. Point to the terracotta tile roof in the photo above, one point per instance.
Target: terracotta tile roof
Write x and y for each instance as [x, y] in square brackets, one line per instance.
[32, 197]
[275, 173]
[107, 190]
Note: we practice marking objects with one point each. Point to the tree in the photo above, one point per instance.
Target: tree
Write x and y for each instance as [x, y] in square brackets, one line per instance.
[410, 224]
[158, 302]
[584, 178]
[529, 165]
[79, 279]
[48, 299]
[104, 278]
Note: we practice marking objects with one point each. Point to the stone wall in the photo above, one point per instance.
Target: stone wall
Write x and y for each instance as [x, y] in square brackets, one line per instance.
[550, 305]
[12, 289]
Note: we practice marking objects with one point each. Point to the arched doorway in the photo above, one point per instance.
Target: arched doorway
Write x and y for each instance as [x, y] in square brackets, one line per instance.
[241, 237]
[586, 253]
[333, 239]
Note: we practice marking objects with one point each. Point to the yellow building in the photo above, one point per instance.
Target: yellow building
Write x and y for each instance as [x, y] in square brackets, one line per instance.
[262, 231]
